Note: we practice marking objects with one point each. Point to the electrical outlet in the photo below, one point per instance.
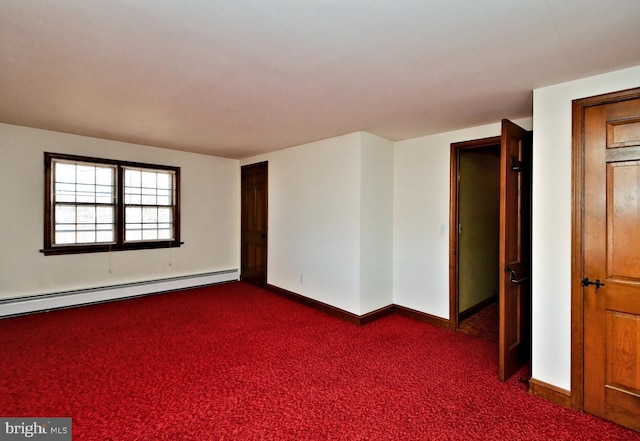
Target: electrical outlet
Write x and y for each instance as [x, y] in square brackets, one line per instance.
[301, 278]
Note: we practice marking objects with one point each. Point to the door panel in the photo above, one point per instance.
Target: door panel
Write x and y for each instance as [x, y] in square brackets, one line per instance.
[622, 179]
[254, 223]
[514, 289]
[611, 238]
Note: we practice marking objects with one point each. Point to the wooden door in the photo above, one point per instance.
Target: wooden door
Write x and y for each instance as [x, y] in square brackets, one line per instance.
[515, 245]
[611, 261]
[254, 223]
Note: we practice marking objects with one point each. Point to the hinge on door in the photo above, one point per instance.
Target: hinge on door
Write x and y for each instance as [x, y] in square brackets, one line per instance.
[516, 166]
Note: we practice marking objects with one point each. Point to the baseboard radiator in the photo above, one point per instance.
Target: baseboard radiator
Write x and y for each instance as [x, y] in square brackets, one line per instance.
[42, 302]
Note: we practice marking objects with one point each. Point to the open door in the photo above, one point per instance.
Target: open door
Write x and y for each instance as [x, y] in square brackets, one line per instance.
[515, 246]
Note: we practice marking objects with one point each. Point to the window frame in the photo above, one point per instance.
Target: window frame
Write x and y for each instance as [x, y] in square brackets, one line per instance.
[119, 243]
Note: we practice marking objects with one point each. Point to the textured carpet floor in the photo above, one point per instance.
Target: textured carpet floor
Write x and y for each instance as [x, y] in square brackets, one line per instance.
[233, 362]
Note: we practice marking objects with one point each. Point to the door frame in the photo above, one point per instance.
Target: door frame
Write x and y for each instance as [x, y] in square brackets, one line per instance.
[454, 195]
[577, 224]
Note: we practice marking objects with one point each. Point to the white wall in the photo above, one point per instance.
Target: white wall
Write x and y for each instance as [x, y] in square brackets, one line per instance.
[421, 217]
[314, 220]
[209, 223]
[331, 221]
[376, 224]
[551, 260]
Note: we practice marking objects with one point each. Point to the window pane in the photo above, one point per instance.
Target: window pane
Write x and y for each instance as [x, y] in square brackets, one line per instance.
[65, 238]
[83, 224]
[104, 194]
[149, 179]
[149, 214]
[105, 231]
[86, 236]
[165, 181]
[164, 214]
[132, 198]
[148, 223]
[105, 235]
[104, 176]
[85, 193]
[134, 232]
[65, 192]
[153, 191]
[149, 234]
[148, 199]
[86, 214]
[164, 197]
[132, 178]
[85, 174]
[65, 214]
[77, 187]
[64, 172]
[133, 215]
[148, 187]
[83, 183]
[104, 215]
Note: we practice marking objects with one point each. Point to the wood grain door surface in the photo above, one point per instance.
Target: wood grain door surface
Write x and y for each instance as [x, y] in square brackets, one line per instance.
[515, 245]
[611, 279]
[254, 223]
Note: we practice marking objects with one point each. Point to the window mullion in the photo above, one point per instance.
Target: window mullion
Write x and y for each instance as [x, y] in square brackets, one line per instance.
[119, 204]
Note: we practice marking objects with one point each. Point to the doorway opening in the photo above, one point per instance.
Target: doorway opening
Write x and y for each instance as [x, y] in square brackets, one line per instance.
[478, 229]
[490, 243]
[478, 240]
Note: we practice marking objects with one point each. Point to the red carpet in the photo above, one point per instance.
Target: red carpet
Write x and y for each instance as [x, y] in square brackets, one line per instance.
[234, 362]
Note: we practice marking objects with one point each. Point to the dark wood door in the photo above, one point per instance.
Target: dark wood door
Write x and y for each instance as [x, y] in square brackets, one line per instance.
[254, 223]
[515, 246]
[611, 255]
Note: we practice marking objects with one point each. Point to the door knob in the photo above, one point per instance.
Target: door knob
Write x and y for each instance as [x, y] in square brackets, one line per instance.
[587, 282]
[512, 276]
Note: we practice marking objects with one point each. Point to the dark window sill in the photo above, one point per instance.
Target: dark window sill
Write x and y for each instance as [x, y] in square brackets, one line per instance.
[83, 249]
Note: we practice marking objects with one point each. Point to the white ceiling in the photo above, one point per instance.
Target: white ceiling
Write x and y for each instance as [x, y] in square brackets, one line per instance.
[235, 78]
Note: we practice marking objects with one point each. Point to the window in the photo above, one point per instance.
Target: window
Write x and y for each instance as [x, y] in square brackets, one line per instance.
[94, 205]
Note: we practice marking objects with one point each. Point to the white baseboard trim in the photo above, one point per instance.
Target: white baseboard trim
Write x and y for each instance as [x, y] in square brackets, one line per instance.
[42, 302]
